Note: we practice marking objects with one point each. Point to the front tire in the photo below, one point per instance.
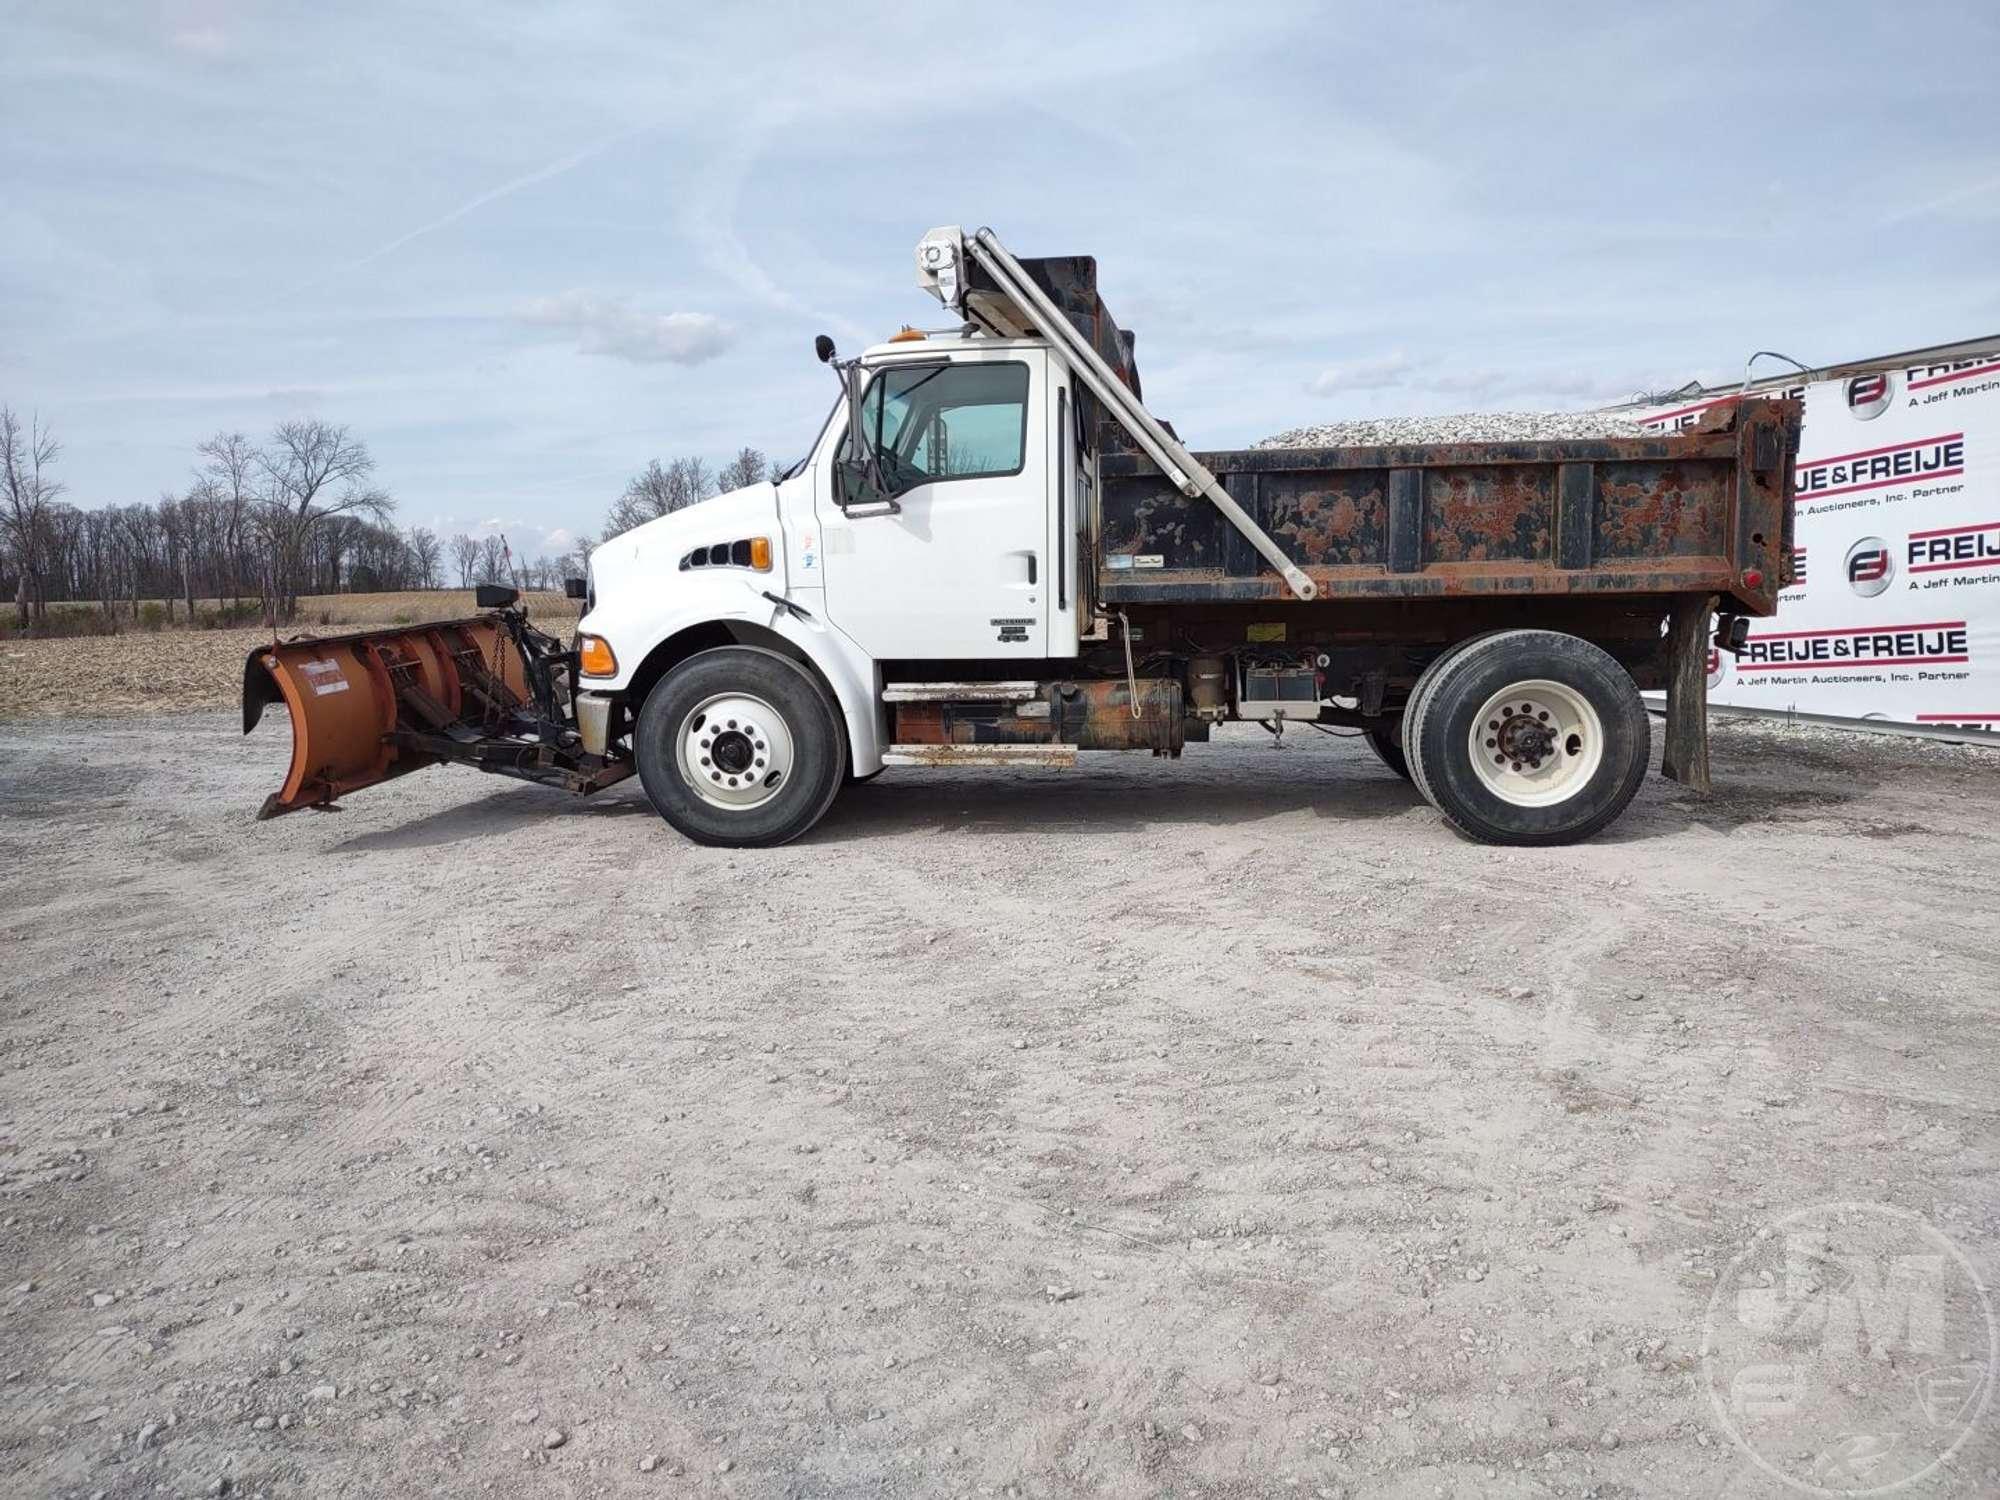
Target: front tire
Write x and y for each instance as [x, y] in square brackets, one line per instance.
[739, 747]
[1530, 737]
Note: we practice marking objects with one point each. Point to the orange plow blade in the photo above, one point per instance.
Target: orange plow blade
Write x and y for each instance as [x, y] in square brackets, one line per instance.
[378, 704]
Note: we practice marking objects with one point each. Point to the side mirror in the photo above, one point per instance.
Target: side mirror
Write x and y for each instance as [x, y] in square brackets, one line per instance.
[576, 588]
[823, 347]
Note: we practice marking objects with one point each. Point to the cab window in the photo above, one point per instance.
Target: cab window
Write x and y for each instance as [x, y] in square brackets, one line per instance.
[931, 422]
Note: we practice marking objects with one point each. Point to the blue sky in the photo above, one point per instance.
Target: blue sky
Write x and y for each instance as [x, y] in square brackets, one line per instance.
[523, 248]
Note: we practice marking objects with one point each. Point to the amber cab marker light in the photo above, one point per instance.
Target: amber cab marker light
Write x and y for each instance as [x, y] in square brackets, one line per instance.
[594, 657]
[909, 335]
[760, 553]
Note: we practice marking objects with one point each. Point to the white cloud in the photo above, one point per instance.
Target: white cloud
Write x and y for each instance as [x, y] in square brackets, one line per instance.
[559, 540]
[606, 325]
[1382, 374]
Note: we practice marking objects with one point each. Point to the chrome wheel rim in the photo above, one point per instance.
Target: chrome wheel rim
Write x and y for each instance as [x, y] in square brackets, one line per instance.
[1536, 743]
[735, 751]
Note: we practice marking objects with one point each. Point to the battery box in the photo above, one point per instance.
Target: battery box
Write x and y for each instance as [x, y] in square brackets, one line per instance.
[1273, 692]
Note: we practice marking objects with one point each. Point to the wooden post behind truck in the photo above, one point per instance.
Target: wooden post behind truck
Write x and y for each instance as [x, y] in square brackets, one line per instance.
[994, 554]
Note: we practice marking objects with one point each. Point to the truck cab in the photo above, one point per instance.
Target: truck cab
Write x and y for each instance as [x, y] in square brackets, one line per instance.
[944, 534]
[953, 550]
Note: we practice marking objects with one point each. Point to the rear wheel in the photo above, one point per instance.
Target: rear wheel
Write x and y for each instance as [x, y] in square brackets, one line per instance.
[739, 747]
[1388, 747]
[1530, 737]
[1413, 710]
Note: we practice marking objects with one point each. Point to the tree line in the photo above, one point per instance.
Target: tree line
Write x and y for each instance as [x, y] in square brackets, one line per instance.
[660, 489]
[259, 525]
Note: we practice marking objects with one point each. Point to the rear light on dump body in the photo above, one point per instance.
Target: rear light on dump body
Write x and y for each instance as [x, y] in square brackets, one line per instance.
[1753, 578]
[594, 657]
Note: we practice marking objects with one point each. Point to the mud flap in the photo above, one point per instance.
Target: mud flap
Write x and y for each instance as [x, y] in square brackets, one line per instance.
[1684, 757]
[362, 705]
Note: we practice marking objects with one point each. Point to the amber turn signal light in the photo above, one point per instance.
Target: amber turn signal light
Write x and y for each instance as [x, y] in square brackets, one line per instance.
[760, 553]
[594, 658]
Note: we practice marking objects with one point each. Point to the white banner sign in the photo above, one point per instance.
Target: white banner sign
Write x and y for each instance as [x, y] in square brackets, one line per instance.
[1895, 613]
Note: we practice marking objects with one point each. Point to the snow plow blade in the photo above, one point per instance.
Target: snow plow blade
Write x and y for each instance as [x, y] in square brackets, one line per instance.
[490, 692]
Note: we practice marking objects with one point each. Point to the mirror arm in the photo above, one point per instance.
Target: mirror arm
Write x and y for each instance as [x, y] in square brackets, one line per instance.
[860, 451]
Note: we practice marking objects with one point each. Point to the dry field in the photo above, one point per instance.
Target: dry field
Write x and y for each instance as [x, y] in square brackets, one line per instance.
[171, 671]
[1222, 1127]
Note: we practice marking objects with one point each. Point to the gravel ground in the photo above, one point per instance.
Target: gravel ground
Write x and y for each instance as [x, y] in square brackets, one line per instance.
[1222, 1127]
[1467, 427]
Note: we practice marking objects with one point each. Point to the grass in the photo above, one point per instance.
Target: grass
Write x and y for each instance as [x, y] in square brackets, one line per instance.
[316, 611]
[142, 671]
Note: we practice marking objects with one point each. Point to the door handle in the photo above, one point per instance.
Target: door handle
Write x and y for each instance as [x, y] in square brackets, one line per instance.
[1031, 568]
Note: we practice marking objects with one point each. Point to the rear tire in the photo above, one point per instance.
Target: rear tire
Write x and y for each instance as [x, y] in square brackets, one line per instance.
[1413, 710]
[1388, 747]
[1530, 737]
[739, 747]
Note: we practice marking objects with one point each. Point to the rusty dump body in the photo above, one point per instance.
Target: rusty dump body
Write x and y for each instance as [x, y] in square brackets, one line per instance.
[1706, 512]
[488, 691]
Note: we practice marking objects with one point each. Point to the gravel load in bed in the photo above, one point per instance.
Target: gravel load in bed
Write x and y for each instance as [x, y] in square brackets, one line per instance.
[1472, 427]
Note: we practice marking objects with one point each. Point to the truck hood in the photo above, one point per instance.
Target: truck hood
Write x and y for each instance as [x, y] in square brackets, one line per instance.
[656, 548]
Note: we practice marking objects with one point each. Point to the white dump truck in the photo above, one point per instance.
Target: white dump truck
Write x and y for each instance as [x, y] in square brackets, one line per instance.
[995, 555]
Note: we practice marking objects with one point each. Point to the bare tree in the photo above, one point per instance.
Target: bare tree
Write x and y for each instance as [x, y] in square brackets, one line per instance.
[313, 471]
[492, 566]
[427, 553]
[139, 539]
[179, 544]
[229, 463]
[657, 491]
[576, 561]
[26, 492]
[465, 557]
[747, 468]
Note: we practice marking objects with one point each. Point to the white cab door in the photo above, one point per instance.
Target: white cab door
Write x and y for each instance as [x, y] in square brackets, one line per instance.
[962, 570]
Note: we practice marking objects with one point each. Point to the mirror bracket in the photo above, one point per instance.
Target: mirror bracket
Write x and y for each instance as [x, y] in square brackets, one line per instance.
[859, 475]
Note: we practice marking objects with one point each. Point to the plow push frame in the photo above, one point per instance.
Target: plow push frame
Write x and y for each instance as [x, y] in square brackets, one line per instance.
[488, 691]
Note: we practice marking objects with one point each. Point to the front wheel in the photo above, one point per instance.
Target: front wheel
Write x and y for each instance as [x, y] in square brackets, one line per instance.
[1530, 737]
[740, 747]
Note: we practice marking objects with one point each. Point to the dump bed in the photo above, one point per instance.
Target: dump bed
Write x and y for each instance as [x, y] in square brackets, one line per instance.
[1705, 512]
[1708, 511]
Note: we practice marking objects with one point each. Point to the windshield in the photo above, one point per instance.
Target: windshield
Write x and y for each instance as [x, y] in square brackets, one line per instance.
[797, 465]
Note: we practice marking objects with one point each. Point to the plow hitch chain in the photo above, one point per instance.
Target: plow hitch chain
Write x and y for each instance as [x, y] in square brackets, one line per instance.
[490, 691]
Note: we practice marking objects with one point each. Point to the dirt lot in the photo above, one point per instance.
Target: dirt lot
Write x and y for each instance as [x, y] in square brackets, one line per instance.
[1214, 1128]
